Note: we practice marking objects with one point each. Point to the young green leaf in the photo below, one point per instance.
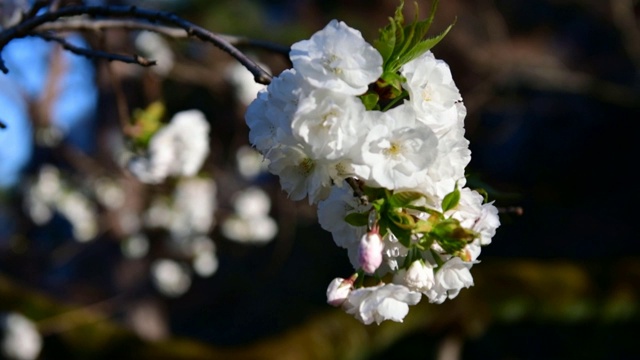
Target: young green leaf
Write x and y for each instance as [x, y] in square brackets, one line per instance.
[370, 100]
[402, 199]
[357, 219]
[451, 200]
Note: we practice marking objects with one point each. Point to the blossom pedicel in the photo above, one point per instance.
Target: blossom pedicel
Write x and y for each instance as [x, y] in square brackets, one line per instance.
[375, 137]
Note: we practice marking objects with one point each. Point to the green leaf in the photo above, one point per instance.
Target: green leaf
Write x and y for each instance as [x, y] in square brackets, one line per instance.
[402, 199]
[451, 236]
[146, 122]
[357, 219]
[388, 38]
[424, 46]
[426, 209]
[402, 220]
[398, 44]
[374, 193]
[451, 200]
[423, 226]
[370, 100]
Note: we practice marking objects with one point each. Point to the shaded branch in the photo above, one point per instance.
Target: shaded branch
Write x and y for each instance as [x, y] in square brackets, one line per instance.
[132, 59]
[2, 125]
[27, 27]
[37, 6]
[87, 24]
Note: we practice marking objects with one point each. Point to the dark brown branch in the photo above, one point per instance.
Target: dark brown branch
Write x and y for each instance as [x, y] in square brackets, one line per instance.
[2, 125]
[172, 32]
[356, 185]
[27, 27]
[37, 5]
[95, 54]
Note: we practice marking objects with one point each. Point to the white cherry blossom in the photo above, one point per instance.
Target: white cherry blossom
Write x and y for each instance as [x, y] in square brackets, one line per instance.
[398, 148]
[419, 277]
[379, 303]
[337, 58]
[450, 279]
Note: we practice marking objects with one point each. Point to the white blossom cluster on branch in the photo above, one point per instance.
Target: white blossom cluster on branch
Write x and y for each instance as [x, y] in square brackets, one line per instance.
[387, 171]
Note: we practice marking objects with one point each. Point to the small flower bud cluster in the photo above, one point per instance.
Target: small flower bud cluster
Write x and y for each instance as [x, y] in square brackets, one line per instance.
[312, 125]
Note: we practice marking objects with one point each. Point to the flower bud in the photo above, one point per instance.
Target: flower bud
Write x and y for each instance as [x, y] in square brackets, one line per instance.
[370, 251]
[339, 290]
[419, 276]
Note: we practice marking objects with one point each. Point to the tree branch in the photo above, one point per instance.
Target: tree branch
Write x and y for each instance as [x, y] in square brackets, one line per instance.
[28, 26]
[133, 59]
[2, 125]
[86, 24]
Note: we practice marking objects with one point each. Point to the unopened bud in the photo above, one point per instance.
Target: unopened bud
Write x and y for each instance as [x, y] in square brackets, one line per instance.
[370, 251]
[339, 289]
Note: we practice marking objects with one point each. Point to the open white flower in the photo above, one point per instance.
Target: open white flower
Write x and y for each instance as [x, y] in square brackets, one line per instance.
[398, 148]
[329, 123]
[474, 215]
[337, 58]
[379, 303]
[432, 92]
[300, 174]
[450, 279]
[419, 277]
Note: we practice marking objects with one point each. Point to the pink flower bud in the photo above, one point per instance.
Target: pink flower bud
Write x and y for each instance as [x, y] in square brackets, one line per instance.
[370, 251]
[339, 290]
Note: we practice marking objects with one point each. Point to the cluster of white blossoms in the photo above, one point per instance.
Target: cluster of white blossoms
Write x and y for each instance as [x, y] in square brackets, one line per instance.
[178, 149]
[388, 178]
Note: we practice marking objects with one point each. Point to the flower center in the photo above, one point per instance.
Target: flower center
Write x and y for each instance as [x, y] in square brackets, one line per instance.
[306, 166]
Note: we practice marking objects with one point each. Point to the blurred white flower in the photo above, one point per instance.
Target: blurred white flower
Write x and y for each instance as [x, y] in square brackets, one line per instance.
[252, 202]
[155, 47]
[81, 213]
[135, 246]
[250, 162]
[170, 278]
[205, 263]
[109, 193]
[245, 86]
[20, 337]
[178, 149]
[251, 222]
[49, 194]
[194, 206]
[249, 230]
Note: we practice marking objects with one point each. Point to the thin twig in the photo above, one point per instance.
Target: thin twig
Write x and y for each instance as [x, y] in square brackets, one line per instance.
[87, 24]
[357, 185]
[91, 54]
[39, 4]
[27, 27]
